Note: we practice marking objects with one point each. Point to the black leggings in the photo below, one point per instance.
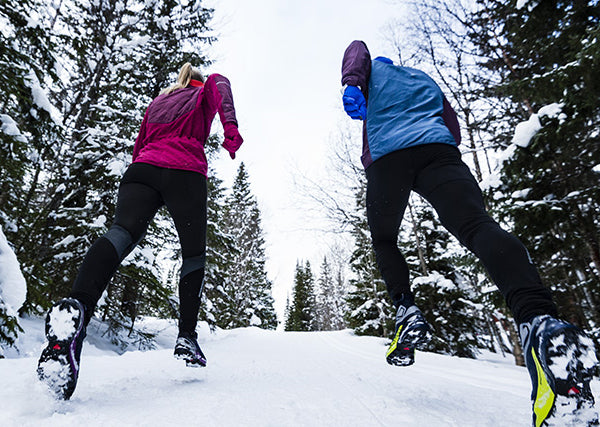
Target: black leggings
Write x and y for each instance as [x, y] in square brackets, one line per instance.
[143, 190]
[437, 173]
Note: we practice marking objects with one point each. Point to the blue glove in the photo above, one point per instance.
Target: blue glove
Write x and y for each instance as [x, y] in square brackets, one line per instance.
[354, 103]
[384, 60]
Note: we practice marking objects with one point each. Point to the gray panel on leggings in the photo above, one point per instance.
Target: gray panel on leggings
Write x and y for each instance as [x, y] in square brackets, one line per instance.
[191, 264]
[120, 239]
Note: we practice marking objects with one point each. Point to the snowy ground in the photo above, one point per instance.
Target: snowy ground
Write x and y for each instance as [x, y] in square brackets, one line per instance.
[267, 378]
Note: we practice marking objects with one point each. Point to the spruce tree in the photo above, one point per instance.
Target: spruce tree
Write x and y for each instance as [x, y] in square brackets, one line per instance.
[443, 296]
[247, 299]
[329, 300]
[301, 315]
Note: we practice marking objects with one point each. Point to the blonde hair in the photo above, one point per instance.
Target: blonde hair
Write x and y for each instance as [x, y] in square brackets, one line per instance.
[186, 74]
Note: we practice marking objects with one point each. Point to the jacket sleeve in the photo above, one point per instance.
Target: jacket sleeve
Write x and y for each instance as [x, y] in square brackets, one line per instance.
[356, 65]
[451, 121]
[225, 108]
[139, 141]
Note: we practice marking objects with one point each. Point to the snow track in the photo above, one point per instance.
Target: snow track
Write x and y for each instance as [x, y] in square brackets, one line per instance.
[266, 378]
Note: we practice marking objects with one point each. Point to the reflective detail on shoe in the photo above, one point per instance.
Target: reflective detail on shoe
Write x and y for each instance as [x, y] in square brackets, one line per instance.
[544, 399]
[394, 343]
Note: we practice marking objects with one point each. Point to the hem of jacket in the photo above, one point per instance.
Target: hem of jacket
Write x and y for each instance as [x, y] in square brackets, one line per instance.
[199, 169]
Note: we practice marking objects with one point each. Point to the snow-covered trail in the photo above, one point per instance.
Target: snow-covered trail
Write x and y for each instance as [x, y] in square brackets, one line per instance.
[266, 378]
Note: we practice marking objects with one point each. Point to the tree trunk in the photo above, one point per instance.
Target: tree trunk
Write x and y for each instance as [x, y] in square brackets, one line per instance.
[418, 240]
[515, 341]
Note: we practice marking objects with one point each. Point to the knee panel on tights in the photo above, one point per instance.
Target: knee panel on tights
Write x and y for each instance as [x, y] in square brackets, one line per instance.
[191, 264]
[121, 239]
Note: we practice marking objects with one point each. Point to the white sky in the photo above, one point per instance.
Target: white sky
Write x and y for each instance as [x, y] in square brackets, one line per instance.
[283, 59]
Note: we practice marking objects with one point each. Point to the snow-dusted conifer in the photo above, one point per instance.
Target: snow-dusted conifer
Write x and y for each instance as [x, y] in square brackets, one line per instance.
[29, 124]
[447, 301]
[301, 314]
[549, 192]
[246, 296]
[329, 299]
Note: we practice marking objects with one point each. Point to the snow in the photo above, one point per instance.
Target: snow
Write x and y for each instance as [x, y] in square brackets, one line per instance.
[41, 99]
[63, 321]
[525, 131]
[521, 194]
[436, 279]
[596, 168]
[553, 111]
[10, 127]
[531, 4]
[490, 181]
[267, 378]
[12, 283]
[99, 222]
[6, 28]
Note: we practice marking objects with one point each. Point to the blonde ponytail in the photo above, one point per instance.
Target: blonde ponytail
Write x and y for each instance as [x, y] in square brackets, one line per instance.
[186, 74]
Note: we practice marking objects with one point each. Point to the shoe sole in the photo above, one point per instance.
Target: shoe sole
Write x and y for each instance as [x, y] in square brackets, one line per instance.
[564, 396]
[191, 362]
[57, 366]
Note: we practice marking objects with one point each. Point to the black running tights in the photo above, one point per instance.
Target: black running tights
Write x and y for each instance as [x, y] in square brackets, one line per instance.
[143, 190]
[437, 173]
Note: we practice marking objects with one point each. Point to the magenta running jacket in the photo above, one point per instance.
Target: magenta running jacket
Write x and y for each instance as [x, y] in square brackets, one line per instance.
[177, 125]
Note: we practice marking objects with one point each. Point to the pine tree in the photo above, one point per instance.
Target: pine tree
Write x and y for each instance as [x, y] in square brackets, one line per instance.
[220, 247]
[247, 299]
[302, 310]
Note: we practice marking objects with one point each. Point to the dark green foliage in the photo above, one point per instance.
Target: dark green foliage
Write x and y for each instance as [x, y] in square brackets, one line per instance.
[301, 316]
[9, 328]
[549, 54]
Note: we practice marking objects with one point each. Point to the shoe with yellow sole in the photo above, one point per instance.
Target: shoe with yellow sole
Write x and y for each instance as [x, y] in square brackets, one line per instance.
[412, 331]
[562, 361]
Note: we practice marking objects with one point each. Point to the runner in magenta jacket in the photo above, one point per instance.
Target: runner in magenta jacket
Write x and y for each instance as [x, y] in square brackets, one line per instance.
[168, 168]
[176, 125]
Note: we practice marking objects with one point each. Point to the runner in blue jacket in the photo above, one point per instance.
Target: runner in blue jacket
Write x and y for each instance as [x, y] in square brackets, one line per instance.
[410, 139]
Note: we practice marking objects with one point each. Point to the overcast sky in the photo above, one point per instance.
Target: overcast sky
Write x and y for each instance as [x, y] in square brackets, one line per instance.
[283, 58]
